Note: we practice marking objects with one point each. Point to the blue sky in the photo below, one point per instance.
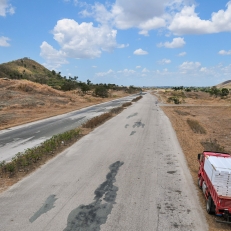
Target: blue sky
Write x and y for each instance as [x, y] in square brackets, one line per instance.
[126, 42]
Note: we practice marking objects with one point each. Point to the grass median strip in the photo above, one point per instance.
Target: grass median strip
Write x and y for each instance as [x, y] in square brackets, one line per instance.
[26, 162]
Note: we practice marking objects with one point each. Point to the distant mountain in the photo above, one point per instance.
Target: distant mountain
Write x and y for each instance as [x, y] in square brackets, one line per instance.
[226, 84]
[26, 68]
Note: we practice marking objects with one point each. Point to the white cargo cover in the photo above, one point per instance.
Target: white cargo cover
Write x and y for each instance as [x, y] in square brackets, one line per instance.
[218, 169]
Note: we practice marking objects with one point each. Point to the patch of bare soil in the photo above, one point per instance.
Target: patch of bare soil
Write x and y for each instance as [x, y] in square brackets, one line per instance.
[22, 101]
[214, 115]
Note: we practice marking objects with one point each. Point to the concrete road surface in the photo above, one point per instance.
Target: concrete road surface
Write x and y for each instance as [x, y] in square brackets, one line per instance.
[127, 175]
[19, 138]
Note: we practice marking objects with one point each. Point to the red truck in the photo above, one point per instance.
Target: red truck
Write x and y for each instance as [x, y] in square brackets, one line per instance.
[214, 178]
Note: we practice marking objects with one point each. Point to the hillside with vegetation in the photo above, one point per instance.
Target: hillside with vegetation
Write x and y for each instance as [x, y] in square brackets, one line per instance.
[28, 69]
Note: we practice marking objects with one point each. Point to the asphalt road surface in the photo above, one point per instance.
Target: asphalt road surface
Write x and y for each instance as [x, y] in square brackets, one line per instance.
[19, 138]
[129, 174]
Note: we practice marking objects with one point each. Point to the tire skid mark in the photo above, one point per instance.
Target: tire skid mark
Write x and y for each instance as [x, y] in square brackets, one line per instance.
[91, 217]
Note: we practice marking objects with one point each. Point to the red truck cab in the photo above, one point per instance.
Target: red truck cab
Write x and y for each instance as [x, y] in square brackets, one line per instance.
[214, 178]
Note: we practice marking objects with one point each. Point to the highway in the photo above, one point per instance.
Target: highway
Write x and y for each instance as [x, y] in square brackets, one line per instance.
[19, 138]
[129, 174]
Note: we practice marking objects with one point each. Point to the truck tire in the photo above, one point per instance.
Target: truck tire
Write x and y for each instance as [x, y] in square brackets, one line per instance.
[210, 207]
[199, 183]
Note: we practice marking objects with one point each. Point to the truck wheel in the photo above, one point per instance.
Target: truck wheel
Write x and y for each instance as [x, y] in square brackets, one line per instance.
[210, 207]
[199, 183]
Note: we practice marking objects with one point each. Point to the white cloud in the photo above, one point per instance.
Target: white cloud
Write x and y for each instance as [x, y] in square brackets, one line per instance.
[145, 70]
[137, 67]
[122, 45]
[176, 43]
[4, 41]
[223, 52]
[6, 8]
[189, 67]
[140, 52]
[127, 72]
[94, 66]
[81, 40]
[182, 54]
[165, 61]
[101, 74]
[187, 21]
[54, 59]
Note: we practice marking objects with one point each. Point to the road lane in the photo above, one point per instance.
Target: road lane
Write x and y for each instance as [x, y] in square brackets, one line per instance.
[17, 139]
[128, 174]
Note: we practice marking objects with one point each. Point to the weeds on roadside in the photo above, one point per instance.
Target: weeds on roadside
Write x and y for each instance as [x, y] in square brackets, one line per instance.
[183, 113]
[127, 104]
[92, 123]
[23, 161]
[196, 127]
[116, 110]
[137, 98]
[213, 146]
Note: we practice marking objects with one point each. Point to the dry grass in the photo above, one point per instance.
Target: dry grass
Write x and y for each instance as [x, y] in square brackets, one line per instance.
[195, 126]
[22, 101]
[94, 122]
[215, 116]
[137, 98]
[127, 104]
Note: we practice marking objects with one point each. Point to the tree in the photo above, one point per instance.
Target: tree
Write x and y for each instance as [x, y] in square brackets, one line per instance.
[88, 82]
[224, 92]
[84, 87]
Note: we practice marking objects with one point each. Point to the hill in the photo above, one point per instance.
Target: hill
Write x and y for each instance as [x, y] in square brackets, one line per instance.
[29, 69]
[226, 84]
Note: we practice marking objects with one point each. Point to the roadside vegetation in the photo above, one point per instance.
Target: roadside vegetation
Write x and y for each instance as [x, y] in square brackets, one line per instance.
[202, 123]
[28, 69]
[195, 126]
[34, 157]
[28, 161]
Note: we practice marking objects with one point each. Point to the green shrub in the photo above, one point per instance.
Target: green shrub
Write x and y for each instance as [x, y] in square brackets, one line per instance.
[101, 91]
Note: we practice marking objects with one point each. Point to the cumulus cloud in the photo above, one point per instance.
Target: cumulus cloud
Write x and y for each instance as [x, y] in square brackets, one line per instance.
[81, 40]
[223, 52]
[53, 57]
[137, 67]
[189, 67]
[140, 52]
[126, 72]
[165, 61]
[4, 41]
[101, 74]
[6, 8]
[176, 43]
[182, 54]
[187, 21]
[122, 45]
[145, 70]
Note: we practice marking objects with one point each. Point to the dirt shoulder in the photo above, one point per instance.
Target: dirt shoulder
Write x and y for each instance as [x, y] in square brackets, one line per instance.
[22, 101]
[214, 115]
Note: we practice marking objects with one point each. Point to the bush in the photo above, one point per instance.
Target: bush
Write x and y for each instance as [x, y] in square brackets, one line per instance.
[101, 91]
[174, 99]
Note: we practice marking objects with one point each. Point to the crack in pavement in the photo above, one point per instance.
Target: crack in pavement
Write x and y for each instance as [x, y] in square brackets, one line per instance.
[91, 217]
